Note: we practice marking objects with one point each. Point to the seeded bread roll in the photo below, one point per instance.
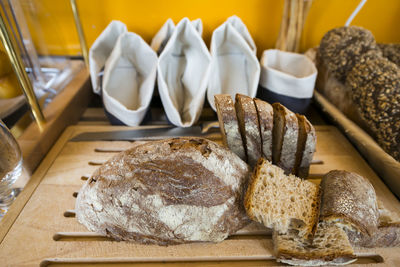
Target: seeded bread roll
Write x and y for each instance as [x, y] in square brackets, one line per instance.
[375, 85]
[391, 52]
[330, 246]
[229, 125]
[166, 192]
[349, 199]
[249, 128]
[284, 136]
[266, 121]
[341, 48]
[305, 146]
[282, 202]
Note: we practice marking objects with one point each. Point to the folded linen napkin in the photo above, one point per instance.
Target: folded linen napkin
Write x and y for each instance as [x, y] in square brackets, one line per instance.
[182, 75]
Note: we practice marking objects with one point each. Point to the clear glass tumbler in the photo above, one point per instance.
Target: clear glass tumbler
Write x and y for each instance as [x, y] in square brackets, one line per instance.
[10, 167]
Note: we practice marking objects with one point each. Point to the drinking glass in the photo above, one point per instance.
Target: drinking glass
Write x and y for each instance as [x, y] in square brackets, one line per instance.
[10, 168]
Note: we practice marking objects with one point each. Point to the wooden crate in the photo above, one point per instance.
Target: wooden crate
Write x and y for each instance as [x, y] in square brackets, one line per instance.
[40, 228]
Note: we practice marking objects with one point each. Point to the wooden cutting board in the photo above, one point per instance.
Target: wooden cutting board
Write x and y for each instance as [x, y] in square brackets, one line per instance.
[41, 229]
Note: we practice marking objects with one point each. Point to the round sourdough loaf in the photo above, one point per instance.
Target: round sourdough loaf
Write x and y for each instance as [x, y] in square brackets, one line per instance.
[167, 192]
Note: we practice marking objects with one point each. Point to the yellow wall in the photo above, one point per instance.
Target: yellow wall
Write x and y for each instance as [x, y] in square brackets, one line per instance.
[145, 17]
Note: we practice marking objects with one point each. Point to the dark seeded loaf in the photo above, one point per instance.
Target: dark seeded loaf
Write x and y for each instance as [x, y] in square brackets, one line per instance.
[166, 192]
[349, 200]
[305, 146]
[228, 125]
[249, 127]
[266, 120]
[285, 137]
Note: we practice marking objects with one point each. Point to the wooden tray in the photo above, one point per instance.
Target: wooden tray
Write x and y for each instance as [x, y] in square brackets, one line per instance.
[40, 228]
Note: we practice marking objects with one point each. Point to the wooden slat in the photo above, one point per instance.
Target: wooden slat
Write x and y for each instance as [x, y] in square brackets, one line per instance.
[43, 216]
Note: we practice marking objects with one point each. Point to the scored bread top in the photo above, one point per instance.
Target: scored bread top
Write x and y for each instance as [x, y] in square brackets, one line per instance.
[228, 124]
[249, 127]
[282, 202]
[266, 121]
[305, 147]
[285, 137]
[349, 199]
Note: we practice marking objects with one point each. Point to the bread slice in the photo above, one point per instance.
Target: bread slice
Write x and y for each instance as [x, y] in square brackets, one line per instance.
[249, 128]
[330, 246]
[229, 125]
[305, 146]
[284, 135]
[282, 202]
[349, 200]
[266, 121]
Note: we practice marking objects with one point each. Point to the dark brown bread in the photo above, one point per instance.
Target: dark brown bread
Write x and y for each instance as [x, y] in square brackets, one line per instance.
[305, 147]
[249, 128]
[266, 120]
[285, 137]
[349, 199]
[391, 52]
[167, 192]
[229, 125]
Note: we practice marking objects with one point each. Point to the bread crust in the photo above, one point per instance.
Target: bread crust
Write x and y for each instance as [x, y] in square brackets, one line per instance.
[167, 192]
[228, 124]
[305, 147]
[266, 122]
[249, 127]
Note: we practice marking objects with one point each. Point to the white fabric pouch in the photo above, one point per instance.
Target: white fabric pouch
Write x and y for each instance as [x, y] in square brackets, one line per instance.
[129, 78]
[183, 71]
[288, 78]
[161, 38]
[101, 50]
[234, 66]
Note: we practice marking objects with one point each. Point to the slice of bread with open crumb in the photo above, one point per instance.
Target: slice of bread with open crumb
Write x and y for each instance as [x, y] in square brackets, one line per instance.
[330, 246]
[266, 120]
[282, 202]
[305, 147]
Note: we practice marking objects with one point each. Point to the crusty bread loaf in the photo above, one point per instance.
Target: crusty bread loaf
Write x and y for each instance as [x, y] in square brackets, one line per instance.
[249, 128]
[266, 120]
[285, 136]
[330, 246]
[164, 192]
[282, 202]
[229, 125]
[349, 199]
[305, 147]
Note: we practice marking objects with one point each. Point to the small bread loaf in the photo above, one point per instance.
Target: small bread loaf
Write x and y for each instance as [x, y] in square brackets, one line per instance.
[229, 125]
[305, 146]
[349, 199]
[166, 192]
[285, 136]
[249, 127]
[282, 202]
[341, 48]
[266, 120]
[330, 246]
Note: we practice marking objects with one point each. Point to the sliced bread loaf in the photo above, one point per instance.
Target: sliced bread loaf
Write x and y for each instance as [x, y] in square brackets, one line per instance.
[266, 120]
[305, 146]
[349, 200]
[282, 202]
[330, 246]
[249, 128]
[229, 125]
[284, 135]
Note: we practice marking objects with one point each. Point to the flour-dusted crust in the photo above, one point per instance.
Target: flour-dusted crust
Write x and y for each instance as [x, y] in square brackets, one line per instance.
[167, 192]
[349, 199]
[305, 146]
[285, 137]
[266, 121]
[228, 124]
[249, 127]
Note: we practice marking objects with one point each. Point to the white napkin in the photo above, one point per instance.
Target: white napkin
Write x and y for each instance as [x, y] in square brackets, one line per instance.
[288, 74]
[234, 66]
[183, 70]
[162, 36]
[101, 50]
[129, 77]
